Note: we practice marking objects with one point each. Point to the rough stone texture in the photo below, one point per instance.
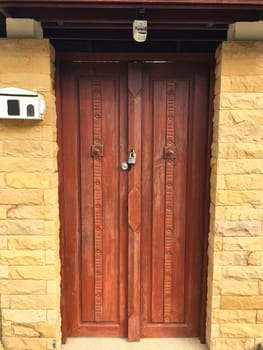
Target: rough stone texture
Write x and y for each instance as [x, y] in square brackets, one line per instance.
[29, 220]
[235, 281]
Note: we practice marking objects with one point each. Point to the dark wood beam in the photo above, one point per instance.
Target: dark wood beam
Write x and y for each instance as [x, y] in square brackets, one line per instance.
[124, 14]
[161, 25]
[126, 34]
[80, 3]
[5, 12]
[186, 4]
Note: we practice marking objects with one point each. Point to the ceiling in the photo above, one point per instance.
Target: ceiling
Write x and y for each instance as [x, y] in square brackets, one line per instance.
[173, 26]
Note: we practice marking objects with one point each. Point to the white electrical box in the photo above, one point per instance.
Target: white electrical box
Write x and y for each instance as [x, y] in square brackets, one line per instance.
[18, 103]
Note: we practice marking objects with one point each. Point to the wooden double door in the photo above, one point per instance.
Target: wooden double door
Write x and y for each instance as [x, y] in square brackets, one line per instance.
[133, 240]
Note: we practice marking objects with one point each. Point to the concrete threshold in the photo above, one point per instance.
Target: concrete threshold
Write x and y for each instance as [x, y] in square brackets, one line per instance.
[122, 344]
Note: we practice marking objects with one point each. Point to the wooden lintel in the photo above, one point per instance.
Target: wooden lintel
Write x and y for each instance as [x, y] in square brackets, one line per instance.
[194, 4]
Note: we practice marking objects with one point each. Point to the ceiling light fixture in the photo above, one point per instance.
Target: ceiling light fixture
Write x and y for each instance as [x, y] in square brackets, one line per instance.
[139, 30]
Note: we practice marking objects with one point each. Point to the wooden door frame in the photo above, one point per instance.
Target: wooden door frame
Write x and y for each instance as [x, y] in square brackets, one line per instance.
[135, 181]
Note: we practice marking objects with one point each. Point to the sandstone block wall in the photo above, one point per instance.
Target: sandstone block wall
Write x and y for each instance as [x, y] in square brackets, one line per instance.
[235, 282]
[29, 227]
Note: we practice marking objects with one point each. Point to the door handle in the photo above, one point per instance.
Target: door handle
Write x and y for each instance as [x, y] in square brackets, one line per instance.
[131, 161]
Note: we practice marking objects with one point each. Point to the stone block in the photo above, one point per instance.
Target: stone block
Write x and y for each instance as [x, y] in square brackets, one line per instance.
[242, 302]
[244, 182]
[51, 257]
[234, 117]
[244, 212]
[22, 227]
[259, 316]
[38, 330]
[255, 258]
[24, 316]
[217, 273]
[33, 47]
[47, 212]
[4, 272]
[27, 63]
[241, 66]
[242, 49]
[42, 81]
[246, 117]
[49, 133]
[51, 227]
[234, 258]
[51, 196]
[229, 150]
[21, 130]
[24, 343]
[5, 301]
[237, 198]
[22, 257]
[239, 166]
[28, 180]
[21, 196]
[3, 242]
[241, 330]
[216, 243]
[6, 328]
[229, 100]
[216, 300]
[234, 287]
[243, 273]
[13, 164]
[238, 228]
[33, 272]
[53, 286]
[31, 242]
[233, 344]
[53, 316]
[23, 287]
[2, 180]
[243, 243]
[240, 133]
[2, 212]
[34, 302]
[237, 83]
[218, 181]
[234, 316]
[31, 149]
[25, 331]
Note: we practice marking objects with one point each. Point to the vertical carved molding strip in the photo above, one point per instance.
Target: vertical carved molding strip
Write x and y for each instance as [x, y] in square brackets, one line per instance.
[169, 202]
[98, 215]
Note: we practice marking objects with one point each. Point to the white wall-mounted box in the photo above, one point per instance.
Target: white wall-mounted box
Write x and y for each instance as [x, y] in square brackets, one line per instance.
[18, 103]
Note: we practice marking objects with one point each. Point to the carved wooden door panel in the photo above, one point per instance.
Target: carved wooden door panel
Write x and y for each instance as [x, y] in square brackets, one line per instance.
[133, 239]
[95, 198]
[174, 156]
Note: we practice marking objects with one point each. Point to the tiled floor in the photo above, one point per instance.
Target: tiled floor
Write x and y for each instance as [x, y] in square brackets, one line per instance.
[123, 344]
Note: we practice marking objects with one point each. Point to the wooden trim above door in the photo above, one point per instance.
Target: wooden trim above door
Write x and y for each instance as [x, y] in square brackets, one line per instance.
[80, 3]
[135, 57]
